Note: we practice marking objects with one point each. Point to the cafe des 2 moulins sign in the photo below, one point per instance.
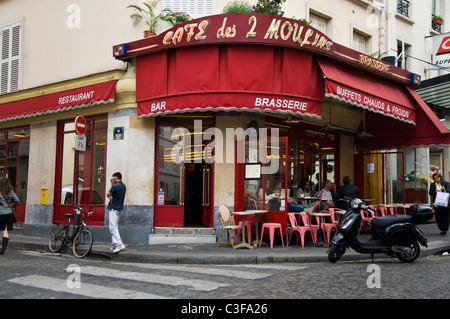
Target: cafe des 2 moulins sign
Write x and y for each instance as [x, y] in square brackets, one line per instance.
[259, 29]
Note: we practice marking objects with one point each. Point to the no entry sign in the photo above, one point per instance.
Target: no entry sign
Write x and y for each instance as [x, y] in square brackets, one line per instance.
[80, 125]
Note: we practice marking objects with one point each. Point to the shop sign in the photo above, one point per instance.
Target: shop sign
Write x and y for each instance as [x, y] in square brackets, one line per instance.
[77, 98]
[80, 143]
[370, 102]
[232, 28]
[238, 102]
[118, 133]
[441, 50]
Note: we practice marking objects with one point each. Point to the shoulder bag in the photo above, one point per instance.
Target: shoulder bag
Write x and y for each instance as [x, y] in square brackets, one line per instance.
[441, 199]
[13, 210]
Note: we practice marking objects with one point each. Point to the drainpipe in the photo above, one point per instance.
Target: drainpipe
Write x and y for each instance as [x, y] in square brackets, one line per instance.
[389, 17]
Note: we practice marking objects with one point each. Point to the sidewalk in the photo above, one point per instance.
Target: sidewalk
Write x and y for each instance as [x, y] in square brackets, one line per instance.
[210, 254]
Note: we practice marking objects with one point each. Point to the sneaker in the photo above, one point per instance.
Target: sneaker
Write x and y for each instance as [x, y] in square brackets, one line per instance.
[118, 248]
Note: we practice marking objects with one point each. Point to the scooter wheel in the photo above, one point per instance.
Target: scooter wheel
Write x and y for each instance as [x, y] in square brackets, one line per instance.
[335, 253]
[412, 255]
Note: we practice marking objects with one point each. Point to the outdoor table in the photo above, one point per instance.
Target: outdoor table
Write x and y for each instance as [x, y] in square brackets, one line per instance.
[320, 243]
[340, 212]
[255, 212]
[308, 199]
[389, 206]
[367, 200]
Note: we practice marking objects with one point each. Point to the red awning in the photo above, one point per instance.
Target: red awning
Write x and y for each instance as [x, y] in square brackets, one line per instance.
[57, 102]
[368, 91]
[229, 78]
[390, 133]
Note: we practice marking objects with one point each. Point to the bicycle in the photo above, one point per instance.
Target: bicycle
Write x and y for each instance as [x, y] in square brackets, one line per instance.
[81, 237]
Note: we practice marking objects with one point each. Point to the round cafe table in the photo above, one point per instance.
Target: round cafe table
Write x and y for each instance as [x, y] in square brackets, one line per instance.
[319, 242]
[255, 212]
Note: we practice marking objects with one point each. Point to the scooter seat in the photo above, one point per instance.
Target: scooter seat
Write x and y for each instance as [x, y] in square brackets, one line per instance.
[387, 221]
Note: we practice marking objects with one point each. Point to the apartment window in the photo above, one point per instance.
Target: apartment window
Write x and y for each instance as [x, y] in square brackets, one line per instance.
[318, 22]
[195, 8]
[10, 58]
[359, 42]
[403, 7]
[402, 58]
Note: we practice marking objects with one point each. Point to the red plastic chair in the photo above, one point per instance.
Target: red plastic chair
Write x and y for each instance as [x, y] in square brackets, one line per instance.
[295, 227]
[248, 230]
[383, 211]
[307, 222]
[271, 227]
[334, 219]
[366, 218]
[327, 227]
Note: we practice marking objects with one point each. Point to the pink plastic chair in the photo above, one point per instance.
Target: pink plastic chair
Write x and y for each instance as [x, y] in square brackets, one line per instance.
[327, 227]
[334, 219]
[248, 230]
[295, 227]
[271, 227]
[315, 227]
[366, 217]
[383, 211]
[393, 210]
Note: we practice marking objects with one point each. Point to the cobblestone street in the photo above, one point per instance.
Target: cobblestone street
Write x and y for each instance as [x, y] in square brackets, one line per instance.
[41, 275]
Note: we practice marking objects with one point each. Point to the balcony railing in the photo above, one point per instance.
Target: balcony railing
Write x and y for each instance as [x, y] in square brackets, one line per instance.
[403, 7]
[435, 26]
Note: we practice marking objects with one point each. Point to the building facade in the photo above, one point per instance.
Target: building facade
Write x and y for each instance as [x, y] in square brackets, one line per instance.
[58, 63]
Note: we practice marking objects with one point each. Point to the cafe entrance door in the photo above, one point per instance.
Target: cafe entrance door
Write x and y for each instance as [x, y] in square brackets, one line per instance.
[184, 179]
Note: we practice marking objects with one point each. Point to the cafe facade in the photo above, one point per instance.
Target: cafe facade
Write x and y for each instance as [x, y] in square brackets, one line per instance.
[208, 112]
[237, 100]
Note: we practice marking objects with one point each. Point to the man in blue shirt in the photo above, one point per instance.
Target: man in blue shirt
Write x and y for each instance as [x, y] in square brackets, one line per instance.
[116, 197]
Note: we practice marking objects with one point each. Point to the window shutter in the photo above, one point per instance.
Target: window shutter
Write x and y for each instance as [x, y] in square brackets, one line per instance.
[195, 8]
[10, 59]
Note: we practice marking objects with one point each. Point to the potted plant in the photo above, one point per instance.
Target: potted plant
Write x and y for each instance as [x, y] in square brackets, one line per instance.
[181, 17]
[146, 12]
[438, 20]
[302, 20]
[269, 6]
[237, 6]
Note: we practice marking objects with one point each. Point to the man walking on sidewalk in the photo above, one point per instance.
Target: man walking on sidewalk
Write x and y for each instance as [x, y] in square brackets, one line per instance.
[116, 197]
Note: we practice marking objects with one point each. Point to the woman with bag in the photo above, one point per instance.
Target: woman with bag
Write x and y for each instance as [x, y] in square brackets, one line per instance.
[442, 213]
[8, 200]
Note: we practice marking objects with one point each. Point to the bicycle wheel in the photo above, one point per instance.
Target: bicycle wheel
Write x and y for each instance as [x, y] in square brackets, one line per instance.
[57, 238]
[82, 243]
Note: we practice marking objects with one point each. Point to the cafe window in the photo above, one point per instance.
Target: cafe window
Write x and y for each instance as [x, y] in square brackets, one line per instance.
[83, 172]
[14, 155]
[265, 174]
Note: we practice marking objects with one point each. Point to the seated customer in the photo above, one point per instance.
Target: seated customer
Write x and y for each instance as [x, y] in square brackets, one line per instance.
[270, 196]
[305, 189]
[326, 196]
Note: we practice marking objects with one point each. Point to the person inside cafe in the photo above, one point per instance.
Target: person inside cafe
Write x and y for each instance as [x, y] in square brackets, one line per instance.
[270, 196]
[293, 204]
[326, 196]
[305, 189]
[346, 191]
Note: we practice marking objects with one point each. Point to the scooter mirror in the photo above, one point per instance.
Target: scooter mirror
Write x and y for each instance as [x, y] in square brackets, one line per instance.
[356, 203]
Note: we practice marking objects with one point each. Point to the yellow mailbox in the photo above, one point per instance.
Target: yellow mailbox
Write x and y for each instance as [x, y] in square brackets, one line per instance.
[44, 195]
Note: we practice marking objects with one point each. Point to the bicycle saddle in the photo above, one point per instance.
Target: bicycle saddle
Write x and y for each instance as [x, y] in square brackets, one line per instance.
[69, 215]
